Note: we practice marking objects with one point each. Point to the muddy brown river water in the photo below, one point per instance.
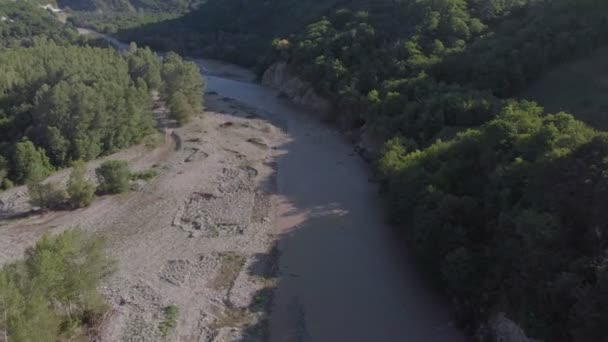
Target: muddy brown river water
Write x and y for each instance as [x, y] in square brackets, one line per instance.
[343, 275]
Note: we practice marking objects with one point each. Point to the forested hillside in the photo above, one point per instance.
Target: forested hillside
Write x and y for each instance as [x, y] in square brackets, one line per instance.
[229, 29]
[510, 217]
[21, 22]
[457, 58]
[128, 5]
[110, 16]
[64, 100]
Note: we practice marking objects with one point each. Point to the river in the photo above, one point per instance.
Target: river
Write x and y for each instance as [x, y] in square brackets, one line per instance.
[343, 275]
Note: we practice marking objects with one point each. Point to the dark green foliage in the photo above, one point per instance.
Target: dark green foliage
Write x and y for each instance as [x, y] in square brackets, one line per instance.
[80, 190]
[176, 6]
[179, 108]
[46, 195]
[112, 22]
[170, 320]
[229, 29]
[511, 215]
[183, 88]
[4, 174]
[144, 64]
[30, 162]
[54, 287]
[405, 67]
[113, 177]
[361, 55]
[111, 16]
[144, 175]
[25, 23]
[63, 100]
[72, 103]
[98, 109]
[529, 43]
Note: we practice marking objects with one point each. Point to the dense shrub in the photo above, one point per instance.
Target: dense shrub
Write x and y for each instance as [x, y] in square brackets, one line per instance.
[80, 190]
[113, 177]
[30, 161]
[183, 88]
[508, 217]
[144, 175]
[54, 289]
[46, 195]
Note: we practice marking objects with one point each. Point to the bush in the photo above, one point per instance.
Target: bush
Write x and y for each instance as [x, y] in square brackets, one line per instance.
[54, 289]
[29, 161]
[46, 195]
[179, 108]
[113, 177]
[144, 175]
[80, 190]
[6, 184]
[154, 140]
[170, 320]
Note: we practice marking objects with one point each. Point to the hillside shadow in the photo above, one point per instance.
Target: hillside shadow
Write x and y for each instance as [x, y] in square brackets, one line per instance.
[336, 271]
[229, 29]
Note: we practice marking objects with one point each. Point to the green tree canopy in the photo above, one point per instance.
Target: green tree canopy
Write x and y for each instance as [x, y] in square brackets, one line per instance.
[113, 177]
[30, 162]
[80, 190]
[54, 286]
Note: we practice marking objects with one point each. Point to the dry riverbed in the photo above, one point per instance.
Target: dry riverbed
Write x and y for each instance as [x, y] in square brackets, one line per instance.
[261, 226]
[198, 237]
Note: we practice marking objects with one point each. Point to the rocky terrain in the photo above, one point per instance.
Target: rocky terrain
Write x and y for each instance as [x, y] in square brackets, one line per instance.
[198, 237]
[280, 77]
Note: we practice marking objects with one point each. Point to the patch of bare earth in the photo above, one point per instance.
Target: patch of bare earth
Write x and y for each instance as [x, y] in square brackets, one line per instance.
[195, 237]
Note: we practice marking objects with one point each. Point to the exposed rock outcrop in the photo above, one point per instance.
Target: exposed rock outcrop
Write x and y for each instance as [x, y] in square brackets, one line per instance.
[280, 77]
[367, 144]
[501, 329]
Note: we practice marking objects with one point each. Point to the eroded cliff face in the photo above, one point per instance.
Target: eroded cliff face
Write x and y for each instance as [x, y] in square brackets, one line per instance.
[280, 77]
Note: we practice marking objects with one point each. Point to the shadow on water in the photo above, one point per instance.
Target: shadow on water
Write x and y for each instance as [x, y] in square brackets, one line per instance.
[337, 271]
